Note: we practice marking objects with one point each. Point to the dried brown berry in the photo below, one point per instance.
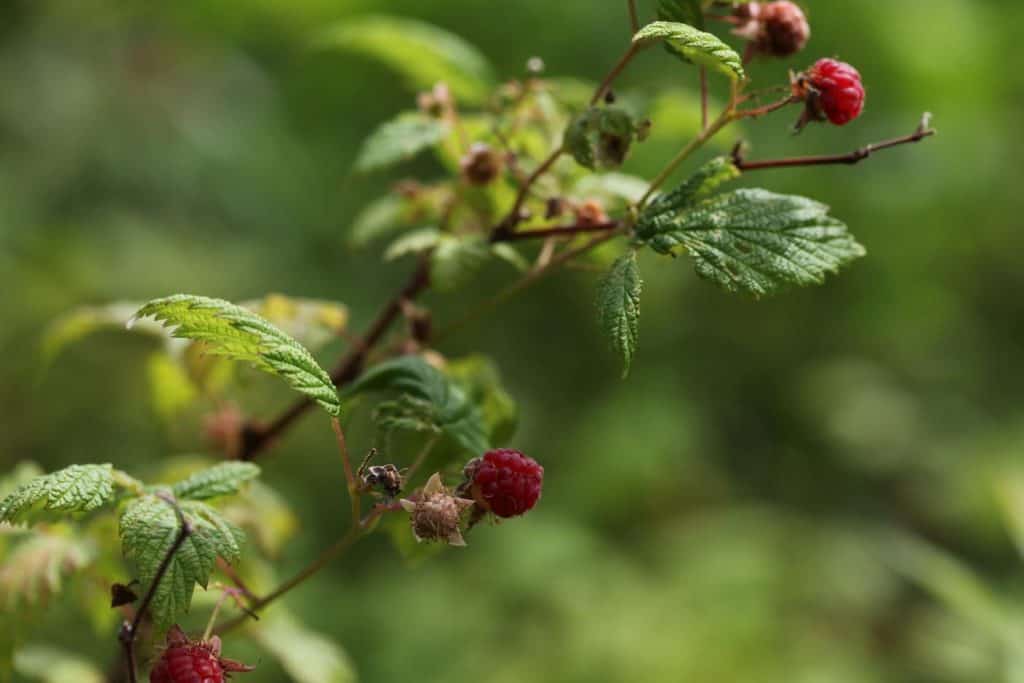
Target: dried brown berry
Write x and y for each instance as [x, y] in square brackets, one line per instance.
[778, 29]
[435, 514]
[481, 165]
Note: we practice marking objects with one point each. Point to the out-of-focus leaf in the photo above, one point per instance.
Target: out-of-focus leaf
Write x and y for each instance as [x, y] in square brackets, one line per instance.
[399, 139]
[49, 664]
[682, 11]
[424, 54]
[170, 386]
[311, 322]
[618, 306]
[226, 478]
[87, 320]
[610, 187]
[454, 413]
[705, 49]
[413, 243]
[381, 217]
[34, 568]
[457, 259]
[240, 334]
[264, 515]
[306, 655]
[480, 377]
[78, 488]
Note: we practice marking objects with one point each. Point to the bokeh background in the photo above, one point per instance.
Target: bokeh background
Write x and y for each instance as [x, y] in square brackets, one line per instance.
[823, 486]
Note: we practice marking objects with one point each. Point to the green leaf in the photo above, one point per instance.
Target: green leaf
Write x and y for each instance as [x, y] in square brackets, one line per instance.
[311, 322]
[380, 217]
[456, 259]
[755, 240]
[149, 527]
[406, 413]
[305, 655]
[705, 49]
[479, 376]
[424, 54]
[171, 388]
[413, 242]
[52, 665]
[611, 186]
[240, 334]
[74, 489]
[682, 11]
[700, 185]
[453, 412]
[220, 480]
[81, 322]
[34, 568]
[399, 139]
[600, 137]
[618, 306]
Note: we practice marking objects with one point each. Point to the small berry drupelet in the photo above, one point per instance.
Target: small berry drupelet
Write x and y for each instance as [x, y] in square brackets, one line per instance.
[505, 482]
[832, 90]
[187, 661]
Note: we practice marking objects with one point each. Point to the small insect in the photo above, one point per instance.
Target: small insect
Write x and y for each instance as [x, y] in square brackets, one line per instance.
[385, 479]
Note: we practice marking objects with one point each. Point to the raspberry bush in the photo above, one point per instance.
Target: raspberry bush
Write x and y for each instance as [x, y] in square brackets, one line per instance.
[531, 185]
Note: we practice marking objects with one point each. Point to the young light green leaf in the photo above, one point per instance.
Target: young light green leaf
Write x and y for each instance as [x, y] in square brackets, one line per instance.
[424, 54]
[220, 480]
[74, 489]
[755, 240]
[682, 11]
[453, 412]
[149, 527]
[704, 49]
[240, 334]
[618, 306]
[399, 139]
[34, 568]
[307, 656]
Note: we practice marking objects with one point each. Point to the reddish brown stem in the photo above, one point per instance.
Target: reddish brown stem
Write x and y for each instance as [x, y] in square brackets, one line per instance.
[634, 18]
[557, 231]
[923, 131]
[703, 98]
[515, 215]
[614, 73]
[766, 109]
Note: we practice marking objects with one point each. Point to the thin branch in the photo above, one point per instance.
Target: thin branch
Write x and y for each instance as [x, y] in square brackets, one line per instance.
[557, 231]
[703, 98]
[766, 109]
[634, 18]
[614, 73]
[924, 130]
[256, 438]
[129, 630]
[507, 225]
[350, 477]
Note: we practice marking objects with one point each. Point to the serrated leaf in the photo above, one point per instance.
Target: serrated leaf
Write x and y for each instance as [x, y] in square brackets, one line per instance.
[304, 654]
[399, 139]
[149, 527]
[74, 489]
[618, 306]
[406, 413]
[220, 480]
[240, 334]
[754, 240]
[699, 47]
[424, 54]
[379, 218]
[34, 568]
[452, 409]
[682, 11]
[700, 185]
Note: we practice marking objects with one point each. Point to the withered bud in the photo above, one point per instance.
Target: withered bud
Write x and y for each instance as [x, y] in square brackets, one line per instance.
[435, 514]
[481, 164]
[590, 213]
[778, 29]
[555, 207]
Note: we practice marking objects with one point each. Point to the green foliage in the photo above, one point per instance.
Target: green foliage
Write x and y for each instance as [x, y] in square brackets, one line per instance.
[422, 53]
[34, 567]
[307, 656]
[450, 408]
[479, 376]
[694, 45]
[618, 307]
[81, 322]
[149, 527]
[380, 217]
[53, 665]
[223, 479]
[239, 334]
[311, 322]
[611, 187]
[750, 240]
[400, 139]
[74, 489]
[456, 259]
[682, 11]
[600, 137]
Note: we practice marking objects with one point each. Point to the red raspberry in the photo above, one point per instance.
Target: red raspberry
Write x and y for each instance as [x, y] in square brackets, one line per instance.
[186, 661]
[837, 94]
[506, 482]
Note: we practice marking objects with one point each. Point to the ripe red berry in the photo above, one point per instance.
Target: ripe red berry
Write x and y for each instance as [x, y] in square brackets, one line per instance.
[836, 91]
[186, 661]
[506, 482]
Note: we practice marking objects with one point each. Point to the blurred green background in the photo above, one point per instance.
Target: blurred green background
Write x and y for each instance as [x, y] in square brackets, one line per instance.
[823, 486]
